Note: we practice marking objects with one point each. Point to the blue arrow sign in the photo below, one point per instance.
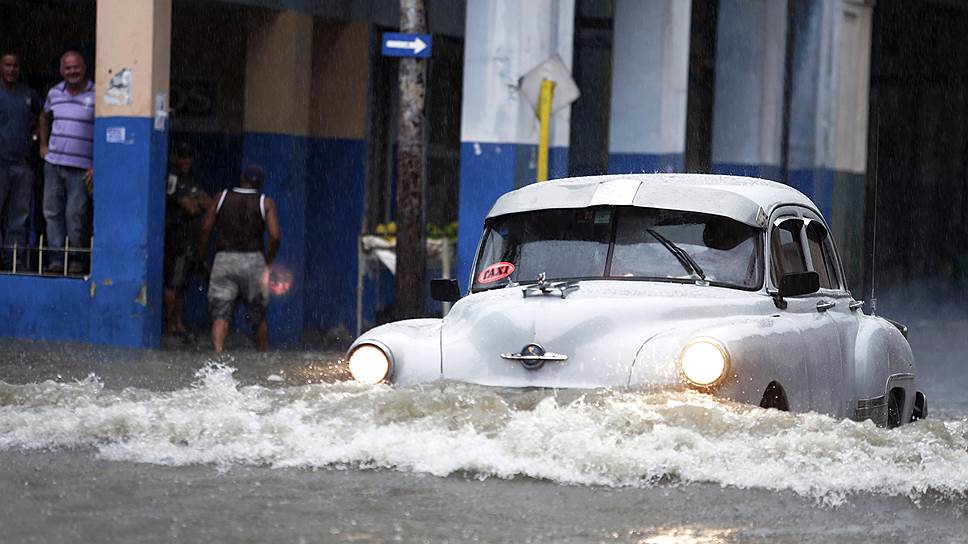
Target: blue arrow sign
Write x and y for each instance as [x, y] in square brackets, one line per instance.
[406, 45]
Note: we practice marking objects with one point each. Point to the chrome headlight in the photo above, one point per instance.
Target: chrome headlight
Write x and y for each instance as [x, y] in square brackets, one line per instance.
[370, 363]
[703, 362]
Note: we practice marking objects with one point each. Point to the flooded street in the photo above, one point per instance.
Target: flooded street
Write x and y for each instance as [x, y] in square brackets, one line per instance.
[113, 445]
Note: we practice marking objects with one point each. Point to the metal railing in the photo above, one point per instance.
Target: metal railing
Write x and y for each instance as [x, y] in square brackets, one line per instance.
[46, 257]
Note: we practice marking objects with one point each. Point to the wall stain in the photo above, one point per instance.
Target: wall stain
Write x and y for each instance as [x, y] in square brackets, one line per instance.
[142, 298]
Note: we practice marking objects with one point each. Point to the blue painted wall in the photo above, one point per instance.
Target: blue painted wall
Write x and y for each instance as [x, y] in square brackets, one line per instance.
[129, 259]
[284, 158]
[120, 304]
[218, 157]
[639, 163]
[487, 171]
[330, 200]
[557, 162]
[765, 171]
[334, 211]
[327, 193]
[45, 308]
[818, 185]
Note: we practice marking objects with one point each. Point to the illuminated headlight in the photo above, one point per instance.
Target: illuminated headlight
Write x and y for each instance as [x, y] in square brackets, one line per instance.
[370, 364]
[703, 362]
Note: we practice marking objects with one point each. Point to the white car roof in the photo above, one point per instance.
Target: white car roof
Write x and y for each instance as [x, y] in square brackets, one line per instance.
[748, 200]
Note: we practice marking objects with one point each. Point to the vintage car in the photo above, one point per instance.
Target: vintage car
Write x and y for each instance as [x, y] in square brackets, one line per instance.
[728, 285]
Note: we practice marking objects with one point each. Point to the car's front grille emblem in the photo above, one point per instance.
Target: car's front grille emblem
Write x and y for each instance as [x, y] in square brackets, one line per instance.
[533, 356]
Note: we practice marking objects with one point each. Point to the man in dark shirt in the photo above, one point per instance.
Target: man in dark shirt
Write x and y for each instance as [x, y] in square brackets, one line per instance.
[185, 205]
[19, 110]
[242, 216]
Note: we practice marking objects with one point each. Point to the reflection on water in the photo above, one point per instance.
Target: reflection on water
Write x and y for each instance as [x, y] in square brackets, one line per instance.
[690, 535]
[306, 417]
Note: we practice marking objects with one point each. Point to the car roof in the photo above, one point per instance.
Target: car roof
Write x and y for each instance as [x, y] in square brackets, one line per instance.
[745, 199]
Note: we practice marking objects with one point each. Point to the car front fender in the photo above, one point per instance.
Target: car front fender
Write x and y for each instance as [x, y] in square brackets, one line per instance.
[880, 351]
[761, 350]
[414, 346]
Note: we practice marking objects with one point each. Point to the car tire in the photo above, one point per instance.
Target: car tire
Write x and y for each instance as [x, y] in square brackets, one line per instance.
[895, 403]
[775, 397]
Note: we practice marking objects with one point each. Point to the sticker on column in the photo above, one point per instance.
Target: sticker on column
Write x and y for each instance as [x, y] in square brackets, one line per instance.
[115, 135]
[161, 111]
[119, 88]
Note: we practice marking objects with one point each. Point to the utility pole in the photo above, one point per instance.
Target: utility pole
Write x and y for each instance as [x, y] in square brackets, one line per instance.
[411, 238]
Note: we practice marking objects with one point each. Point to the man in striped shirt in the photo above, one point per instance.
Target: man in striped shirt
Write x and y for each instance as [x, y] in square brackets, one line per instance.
[66, 131]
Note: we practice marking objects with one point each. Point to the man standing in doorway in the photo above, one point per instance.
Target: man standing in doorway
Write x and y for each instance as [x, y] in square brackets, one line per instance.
[66, 134]
[19, 108]
[184, 208]
[242, 216]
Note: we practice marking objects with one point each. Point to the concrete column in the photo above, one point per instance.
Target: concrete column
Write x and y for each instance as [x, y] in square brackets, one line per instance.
[278, 69]
[130, 157]
[650, 69]
[828, 125]
[748, 105]
[505, 39]
[336, 177]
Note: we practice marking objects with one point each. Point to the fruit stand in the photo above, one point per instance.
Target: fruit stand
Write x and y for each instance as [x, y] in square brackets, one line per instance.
[377, 251]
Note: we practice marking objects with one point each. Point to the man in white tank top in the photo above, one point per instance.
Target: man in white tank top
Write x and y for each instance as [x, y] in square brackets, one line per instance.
[242, 215]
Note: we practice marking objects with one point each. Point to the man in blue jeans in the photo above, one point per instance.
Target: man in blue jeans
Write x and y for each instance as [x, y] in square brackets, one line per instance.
[66, 131]
[19, 107]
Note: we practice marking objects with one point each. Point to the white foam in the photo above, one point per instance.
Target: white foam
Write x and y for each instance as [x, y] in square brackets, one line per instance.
[612, 438]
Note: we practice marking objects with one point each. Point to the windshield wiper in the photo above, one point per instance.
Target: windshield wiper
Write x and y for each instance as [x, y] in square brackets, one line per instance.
[684, 258]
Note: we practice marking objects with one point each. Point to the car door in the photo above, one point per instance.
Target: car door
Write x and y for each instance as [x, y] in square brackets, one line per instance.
[843, 309]
[819, 341]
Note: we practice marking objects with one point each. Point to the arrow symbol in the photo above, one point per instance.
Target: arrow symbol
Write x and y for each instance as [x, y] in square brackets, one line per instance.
[417, 45]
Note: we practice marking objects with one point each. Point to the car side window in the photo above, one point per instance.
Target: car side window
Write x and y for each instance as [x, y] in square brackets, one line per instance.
[786, 251]
[821, 255]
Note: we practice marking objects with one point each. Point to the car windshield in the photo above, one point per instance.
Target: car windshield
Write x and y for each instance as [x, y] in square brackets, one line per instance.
[618, 243]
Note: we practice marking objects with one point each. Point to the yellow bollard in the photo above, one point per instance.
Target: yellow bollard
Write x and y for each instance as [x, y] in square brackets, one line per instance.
[544, 116]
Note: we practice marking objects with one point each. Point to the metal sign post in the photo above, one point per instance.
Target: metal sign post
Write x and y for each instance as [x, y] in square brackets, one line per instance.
[544, 117]
[548, 87]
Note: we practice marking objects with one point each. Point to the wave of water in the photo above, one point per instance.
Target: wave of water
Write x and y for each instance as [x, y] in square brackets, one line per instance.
[611, 438]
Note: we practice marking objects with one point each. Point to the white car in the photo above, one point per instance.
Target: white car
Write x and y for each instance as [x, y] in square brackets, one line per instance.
[728, 285]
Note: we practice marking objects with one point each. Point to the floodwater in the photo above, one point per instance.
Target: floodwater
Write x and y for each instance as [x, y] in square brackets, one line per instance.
[110, 445]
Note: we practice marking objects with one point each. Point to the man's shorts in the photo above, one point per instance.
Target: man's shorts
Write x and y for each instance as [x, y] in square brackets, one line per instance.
[236, 275]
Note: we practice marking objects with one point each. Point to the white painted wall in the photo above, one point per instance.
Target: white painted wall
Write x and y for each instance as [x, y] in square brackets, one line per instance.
[650, 69]
[831, 90]
[853, 23]
[504, 40]
[748, 104]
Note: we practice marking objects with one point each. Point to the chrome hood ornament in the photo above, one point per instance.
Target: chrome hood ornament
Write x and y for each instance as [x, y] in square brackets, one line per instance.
[544, 287]
[533, 356]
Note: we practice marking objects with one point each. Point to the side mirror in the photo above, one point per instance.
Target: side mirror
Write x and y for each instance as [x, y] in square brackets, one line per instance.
[444, 290]
[800, 283]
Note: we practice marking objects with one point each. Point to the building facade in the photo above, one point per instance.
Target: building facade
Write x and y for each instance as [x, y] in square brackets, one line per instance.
[778, 89]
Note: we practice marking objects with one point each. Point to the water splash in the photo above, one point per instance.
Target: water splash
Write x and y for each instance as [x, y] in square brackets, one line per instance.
[610, 438]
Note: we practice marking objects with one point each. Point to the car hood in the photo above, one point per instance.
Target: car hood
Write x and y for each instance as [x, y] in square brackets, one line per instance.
[600, 327]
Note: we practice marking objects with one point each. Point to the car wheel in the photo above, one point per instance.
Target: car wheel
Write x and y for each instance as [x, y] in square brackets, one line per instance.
[775, 397]
[895, 403]
[920, 410]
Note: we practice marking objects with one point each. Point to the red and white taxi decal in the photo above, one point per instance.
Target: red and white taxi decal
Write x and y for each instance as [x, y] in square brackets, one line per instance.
[495, 272]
